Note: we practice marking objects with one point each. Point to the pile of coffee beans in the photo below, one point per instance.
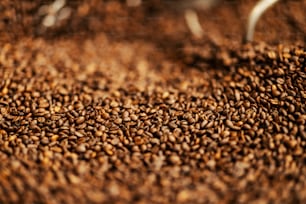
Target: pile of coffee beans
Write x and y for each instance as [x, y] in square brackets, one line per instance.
[124, 131]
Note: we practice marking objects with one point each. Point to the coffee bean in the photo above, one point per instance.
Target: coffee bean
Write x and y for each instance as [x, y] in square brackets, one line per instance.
[80, 120]
[81, 148]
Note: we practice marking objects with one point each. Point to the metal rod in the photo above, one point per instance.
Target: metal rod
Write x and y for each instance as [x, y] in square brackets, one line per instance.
[255, 14]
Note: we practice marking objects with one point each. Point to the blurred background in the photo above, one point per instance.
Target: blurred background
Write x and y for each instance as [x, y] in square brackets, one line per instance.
[151, 20]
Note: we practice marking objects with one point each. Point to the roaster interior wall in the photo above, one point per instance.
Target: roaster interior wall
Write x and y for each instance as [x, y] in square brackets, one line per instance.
[284, 22]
